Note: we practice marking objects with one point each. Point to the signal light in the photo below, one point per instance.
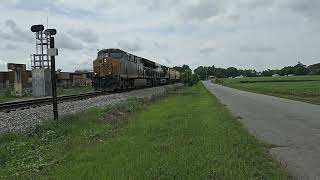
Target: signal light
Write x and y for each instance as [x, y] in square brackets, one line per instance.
[37, 28]
[51, 32]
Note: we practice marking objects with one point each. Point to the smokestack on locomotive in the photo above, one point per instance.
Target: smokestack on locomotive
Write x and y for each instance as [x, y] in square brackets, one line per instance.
[115, 69]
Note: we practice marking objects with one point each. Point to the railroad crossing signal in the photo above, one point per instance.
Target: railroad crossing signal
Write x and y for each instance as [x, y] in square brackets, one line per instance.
[52, 52]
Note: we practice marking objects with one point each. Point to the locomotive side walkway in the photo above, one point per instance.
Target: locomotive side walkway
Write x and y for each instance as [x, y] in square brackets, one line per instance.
[293, 127]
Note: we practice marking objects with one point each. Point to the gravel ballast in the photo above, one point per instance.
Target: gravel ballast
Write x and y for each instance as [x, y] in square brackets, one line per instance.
[22, 120]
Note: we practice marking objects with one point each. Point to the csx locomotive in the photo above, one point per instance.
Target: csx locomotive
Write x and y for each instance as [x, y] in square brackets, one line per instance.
[115, 69]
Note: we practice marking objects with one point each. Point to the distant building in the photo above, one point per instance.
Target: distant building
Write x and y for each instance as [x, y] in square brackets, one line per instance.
[7, 78]
[81, 79]
[74, 79]
[64, 79]
[238, 77]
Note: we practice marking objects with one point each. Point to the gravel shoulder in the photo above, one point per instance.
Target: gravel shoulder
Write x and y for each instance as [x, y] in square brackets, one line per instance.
[292, 126]
[24, 119]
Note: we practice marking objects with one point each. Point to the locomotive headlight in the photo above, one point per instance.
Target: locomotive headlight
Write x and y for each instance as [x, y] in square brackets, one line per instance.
[105, 60]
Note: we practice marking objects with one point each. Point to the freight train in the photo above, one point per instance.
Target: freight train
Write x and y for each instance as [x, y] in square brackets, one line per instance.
[115, 69]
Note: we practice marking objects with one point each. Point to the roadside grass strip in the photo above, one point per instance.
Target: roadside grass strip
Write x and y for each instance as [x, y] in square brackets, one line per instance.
[187, 134]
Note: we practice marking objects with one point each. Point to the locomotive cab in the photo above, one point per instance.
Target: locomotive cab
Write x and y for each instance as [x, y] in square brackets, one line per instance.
[107, 70]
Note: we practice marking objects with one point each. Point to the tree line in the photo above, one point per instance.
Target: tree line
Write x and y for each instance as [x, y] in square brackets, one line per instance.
[300, 69]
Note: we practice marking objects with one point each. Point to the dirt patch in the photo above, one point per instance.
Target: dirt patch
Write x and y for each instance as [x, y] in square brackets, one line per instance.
[116, 117]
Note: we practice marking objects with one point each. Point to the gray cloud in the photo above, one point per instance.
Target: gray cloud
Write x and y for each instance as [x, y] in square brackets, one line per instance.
[65, 41]
[131, 46]
[54, 7]
[260, 4]
[15, 33]
[158, 5]
[203, 10]
[309, 8]
[161, 45]
[207, 50]
[257, 49]
[11, 46]
[85, 35]
[166, 60]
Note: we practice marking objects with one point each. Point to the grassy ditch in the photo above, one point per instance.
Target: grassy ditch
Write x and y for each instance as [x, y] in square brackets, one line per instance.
[301, 88]
[186, 135]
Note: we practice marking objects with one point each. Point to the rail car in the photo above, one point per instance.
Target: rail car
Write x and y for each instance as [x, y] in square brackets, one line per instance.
[115, 69]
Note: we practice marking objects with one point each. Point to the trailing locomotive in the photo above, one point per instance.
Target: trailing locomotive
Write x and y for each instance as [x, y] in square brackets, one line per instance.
[115, 69]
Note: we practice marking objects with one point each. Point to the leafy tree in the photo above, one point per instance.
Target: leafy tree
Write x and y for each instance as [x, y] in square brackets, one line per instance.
[220, 73]
[269, 72]
[211, 71]
[190, 79]
[202, 72]
[301, 69]
[182, 69]
[314, 69]
[248, 73]
[287, 70]
[232, 72]
[186, 68]
[194, 79]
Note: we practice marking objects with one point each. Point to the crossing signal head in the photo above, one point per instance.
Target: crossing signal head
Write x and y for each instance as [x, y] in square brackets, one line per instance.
[51, 32]
[37, 28]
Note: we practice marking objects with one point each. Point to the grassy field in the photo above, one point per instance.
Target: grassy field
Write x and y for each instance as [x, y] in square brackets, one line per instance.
[187, 135]
[301, 88]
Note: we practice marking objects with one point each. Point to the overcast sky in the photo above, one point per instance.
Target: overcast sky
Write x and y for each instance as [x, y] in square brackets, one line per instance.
[258, 34]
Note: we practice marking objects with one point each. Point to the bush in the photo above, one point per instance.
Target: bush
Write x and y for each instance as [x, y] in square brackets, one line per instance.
[218, 81]
[189, 78]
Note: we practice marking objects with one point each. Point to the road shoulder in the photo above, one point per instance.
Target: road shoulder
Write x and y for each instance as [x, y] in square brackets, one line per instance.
[292, 127]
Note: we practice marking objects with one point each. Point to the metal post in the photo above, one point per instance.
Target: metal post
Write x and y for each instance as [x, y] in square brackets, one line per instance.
[41, 57]
[54, 82]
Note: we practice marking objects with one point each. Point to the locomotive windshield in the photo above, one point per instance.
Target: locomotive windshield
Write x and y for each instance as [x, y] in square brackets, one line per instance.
[103, 53]
[116, 55]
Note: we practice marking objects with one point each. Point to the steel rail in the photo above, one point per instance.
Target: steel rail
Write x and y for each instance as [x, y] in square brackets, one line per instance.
[31, 103]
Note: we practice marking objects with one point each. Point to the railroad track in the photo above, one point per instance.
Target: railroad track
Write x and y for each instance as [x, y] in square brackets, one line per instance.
[32, 103]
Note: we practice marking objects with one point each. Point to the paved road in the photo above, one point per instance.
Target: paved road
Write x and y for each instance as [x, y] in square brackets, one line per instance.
[294, 127]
